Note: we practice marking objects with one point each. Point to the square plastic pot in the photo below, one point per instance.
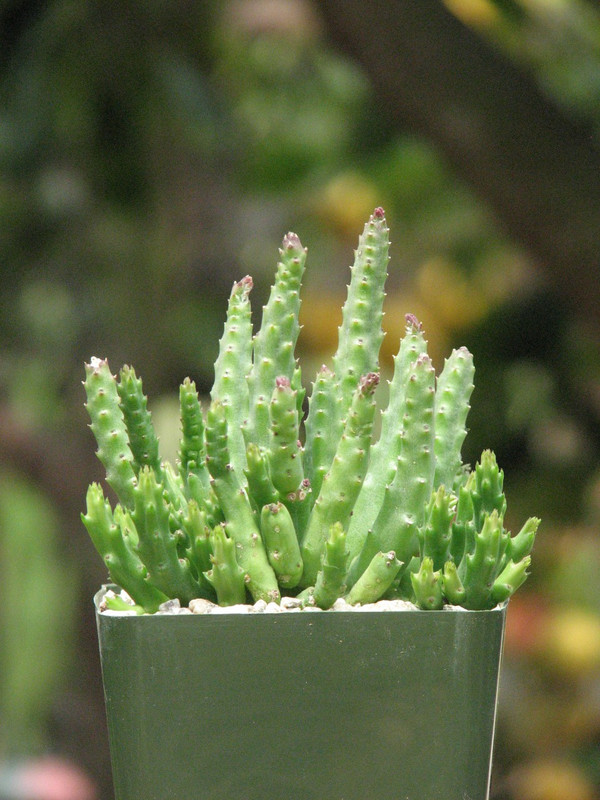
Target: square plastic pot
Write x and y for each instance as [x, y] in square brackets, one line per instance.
[302, 706]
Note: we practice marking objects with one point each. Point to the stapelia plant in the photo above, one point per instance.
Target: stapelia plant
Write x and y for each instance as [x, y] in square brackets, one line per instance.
[261, 502]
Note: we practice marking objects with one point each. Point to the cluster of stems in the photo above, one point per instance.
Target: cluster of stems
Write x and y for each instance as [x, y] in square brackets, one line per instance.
[264, 500]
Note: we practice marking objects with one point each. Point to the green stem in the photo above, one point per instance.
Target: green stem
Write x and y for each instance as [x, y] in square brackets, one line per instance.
[124, 565]
[405, 499]
[239, 518]
[232, 367]
[158, 545]
[375, 580]
[384, 453]
[285, 449]
[275, 342]
[342, 483]
[427, 586]
[108, 426]
[280, 539]
[142, 438]
[453, 391]
[360, 334]
[225, 576]
[330, 578]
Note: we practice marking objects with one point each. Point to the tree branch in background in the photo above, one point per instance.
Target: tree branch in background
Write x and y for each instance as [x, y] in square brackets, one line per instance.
[537, 169]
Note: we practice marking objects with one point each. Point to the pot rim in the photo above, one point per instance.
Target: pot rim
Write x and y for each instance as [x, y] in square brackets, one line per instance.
[446, 611]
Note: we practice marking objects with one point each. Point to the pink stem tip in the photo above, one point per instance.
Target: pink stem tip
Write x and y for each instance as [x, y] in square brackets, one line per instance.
[291, 241]
[245, 284]
[369, 382]
[413, 322]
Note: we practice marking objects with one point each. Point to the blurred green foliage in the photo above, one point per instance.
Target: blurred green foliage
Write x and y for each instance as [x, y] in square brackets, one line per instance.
[152, 153]
[37, 608]
[558, 41]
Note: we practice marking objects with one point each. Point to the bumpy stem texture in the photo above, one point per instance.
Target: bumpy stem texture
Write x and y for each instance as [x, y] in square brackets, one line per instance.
[157, 545]
[360, 334]
[280, 538]
[436, 535]
[509, 580]
[481, 567]
[108, 426]
[232, 367]
[427, 586]
[522, 544]
[359, 342]
[285, 449]
[192, 450]
[197, 528]
[142, 438]
[239, 517]
[453, 391]
[384, 453]
[225, 576]
[453, 588]
[463, 526]
[124, 565]
[323, 427]
[275, 342]
[330, 578]
[260, 486]
[342, 483]
[375, 580]
[405, 499]
[487, 489]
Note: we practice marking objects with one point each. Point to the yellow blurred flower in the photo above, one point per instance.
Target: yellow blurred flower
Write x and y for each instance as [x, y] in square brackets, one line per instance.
[456, 301]
[347, 201]
[320, 316]
[475, 13]
[551, 780]
[570, 642]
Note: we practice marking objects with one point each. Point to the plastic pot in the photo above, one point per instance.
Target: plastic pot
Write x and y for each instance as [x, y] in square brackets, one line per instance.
[302, 706]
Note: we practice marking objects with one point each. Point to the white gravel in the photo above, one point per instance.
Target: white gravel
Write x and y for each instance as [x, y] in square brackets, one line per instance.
[288, 605]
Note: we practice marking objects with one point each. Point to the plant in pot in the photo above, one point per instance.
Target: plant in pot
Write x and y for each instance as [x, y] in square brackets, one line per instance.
[296, 610]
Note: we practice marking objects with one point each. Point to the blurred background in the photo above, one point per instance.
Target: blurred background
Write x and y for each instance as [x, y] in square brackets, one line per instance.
[153, 152]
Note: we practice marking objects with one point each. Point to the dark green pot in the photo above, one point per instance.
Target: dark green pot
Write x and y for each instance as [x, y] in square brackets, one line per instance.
[306, 706]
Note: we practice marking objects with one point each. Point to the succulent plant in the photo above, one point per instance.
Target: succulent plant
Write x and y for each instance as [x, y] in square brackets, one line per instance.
[263, 502]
